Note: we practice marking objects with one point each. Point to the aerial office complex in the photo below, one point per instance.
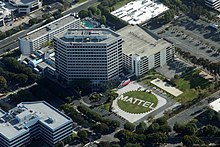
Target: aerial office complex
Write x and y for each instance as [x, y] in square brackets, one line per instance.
[36, 39]
[26, 6]
[32, 120]
[215, 4]
[143, 50]
[94, 54]
[140, 11]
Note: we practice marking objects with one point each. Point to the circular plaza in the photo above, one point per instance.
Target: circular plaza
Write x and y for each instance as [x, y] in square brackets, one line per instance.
[135, 102]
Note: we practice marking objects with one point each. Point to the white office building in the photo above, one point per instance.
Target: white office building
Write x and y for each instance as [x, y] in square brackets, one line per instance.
[26, 6]
[143, 50]
[93, 54]
[36, 39]
[4, 13]
[140, 11]
[33, 120]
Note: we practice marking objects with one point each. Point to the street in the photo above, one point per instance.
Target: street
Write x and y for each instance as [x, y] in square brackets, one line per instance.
[12, 41]
[190, 113]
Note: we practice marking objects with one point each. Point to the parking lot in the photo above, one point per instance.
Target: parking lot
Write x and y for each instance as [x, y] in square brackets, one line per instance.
[176, 67]
[194, 36]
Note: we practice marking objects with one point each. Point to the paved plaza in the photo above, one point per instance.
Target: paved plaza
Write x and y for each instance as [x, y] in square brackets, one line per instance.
[134, 117]
[165, 86]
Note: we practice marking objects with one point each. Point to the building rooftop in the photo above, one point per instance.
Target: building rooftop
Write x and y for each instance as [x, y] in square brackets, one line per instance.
[101, 35]
[138, 41]
[215, 105]
[20, 2]
[18, 120]
[44, 30]
[140, 11]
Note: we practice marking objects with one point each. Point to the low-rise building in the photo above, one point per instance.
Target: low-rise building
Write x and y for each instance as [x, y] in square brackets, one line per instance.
[140, 11]
[144, 50]
[33, 120]
[4, 13]
[26, 6]
[36, 39]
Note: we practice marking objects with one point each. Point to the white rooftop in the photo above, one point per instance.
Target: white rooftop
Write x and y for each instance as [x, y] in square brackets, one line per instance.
[140, 42]
[20, 2]
[18, 120]
[140, 11]
[215, 105]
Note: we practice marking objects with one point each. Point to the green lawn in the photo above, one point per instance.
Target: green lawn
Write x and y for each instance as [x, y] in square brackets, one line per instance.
[189, 85]
[135, 108]
[81, 1]
[121, 4]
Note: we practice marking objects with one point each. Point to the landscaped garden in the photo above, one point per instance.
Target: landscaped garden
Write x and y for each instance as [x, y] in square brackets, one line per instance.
[137, 102]
[191, 84]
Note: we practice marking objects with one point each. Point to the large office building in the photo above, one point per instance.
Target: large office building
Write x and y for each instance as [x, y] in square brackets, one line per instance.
[26, 6]
[215, 4]
[93, 54]
[144, 50]
[33, 120]
[36, 39]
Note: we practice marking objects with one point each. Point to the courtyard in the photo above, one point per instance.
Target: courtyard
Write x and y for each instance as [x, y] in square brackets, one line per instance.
[135, 102]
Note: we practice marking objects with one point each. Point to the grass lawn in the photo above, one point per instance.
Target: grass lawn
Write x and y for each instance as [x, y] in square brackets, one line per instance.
[135, 108]
[81, 1]
[121, 4]
[106, 106]
[188, 84]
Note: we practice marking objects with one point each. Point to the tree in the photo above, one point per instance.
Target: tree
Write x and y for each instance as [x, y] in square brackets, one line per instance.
[45, 16]
[129, 126]
[191, 140]
[33, 21]
[141, 128]
[209, 113]
[154, 127]
[104, 144]
[103, 19]
[126, 136]
[83, 14]
[92, 9]
[157, 137]
[3, 82]
[101, 128]
[60, 144]
[83, 134]
[209, 130]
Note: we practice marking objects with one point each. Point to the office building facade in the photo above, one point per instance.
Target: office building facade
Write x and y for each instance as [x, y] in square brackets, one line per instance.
[33, 120]
[26, 6]
[143, 50]
[93, 54]
[36, 39]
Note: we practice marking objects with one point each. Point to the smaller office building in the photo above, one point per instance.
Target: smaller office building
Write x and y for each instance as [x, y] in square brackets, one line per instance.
[144, 50]
[26, 6]
[36, 39]
[33, 120]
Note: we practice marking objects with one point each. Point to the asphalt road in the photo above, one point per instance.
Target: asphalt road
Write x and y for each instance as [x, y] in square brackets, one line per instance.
[190, 113]
[12, 41]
